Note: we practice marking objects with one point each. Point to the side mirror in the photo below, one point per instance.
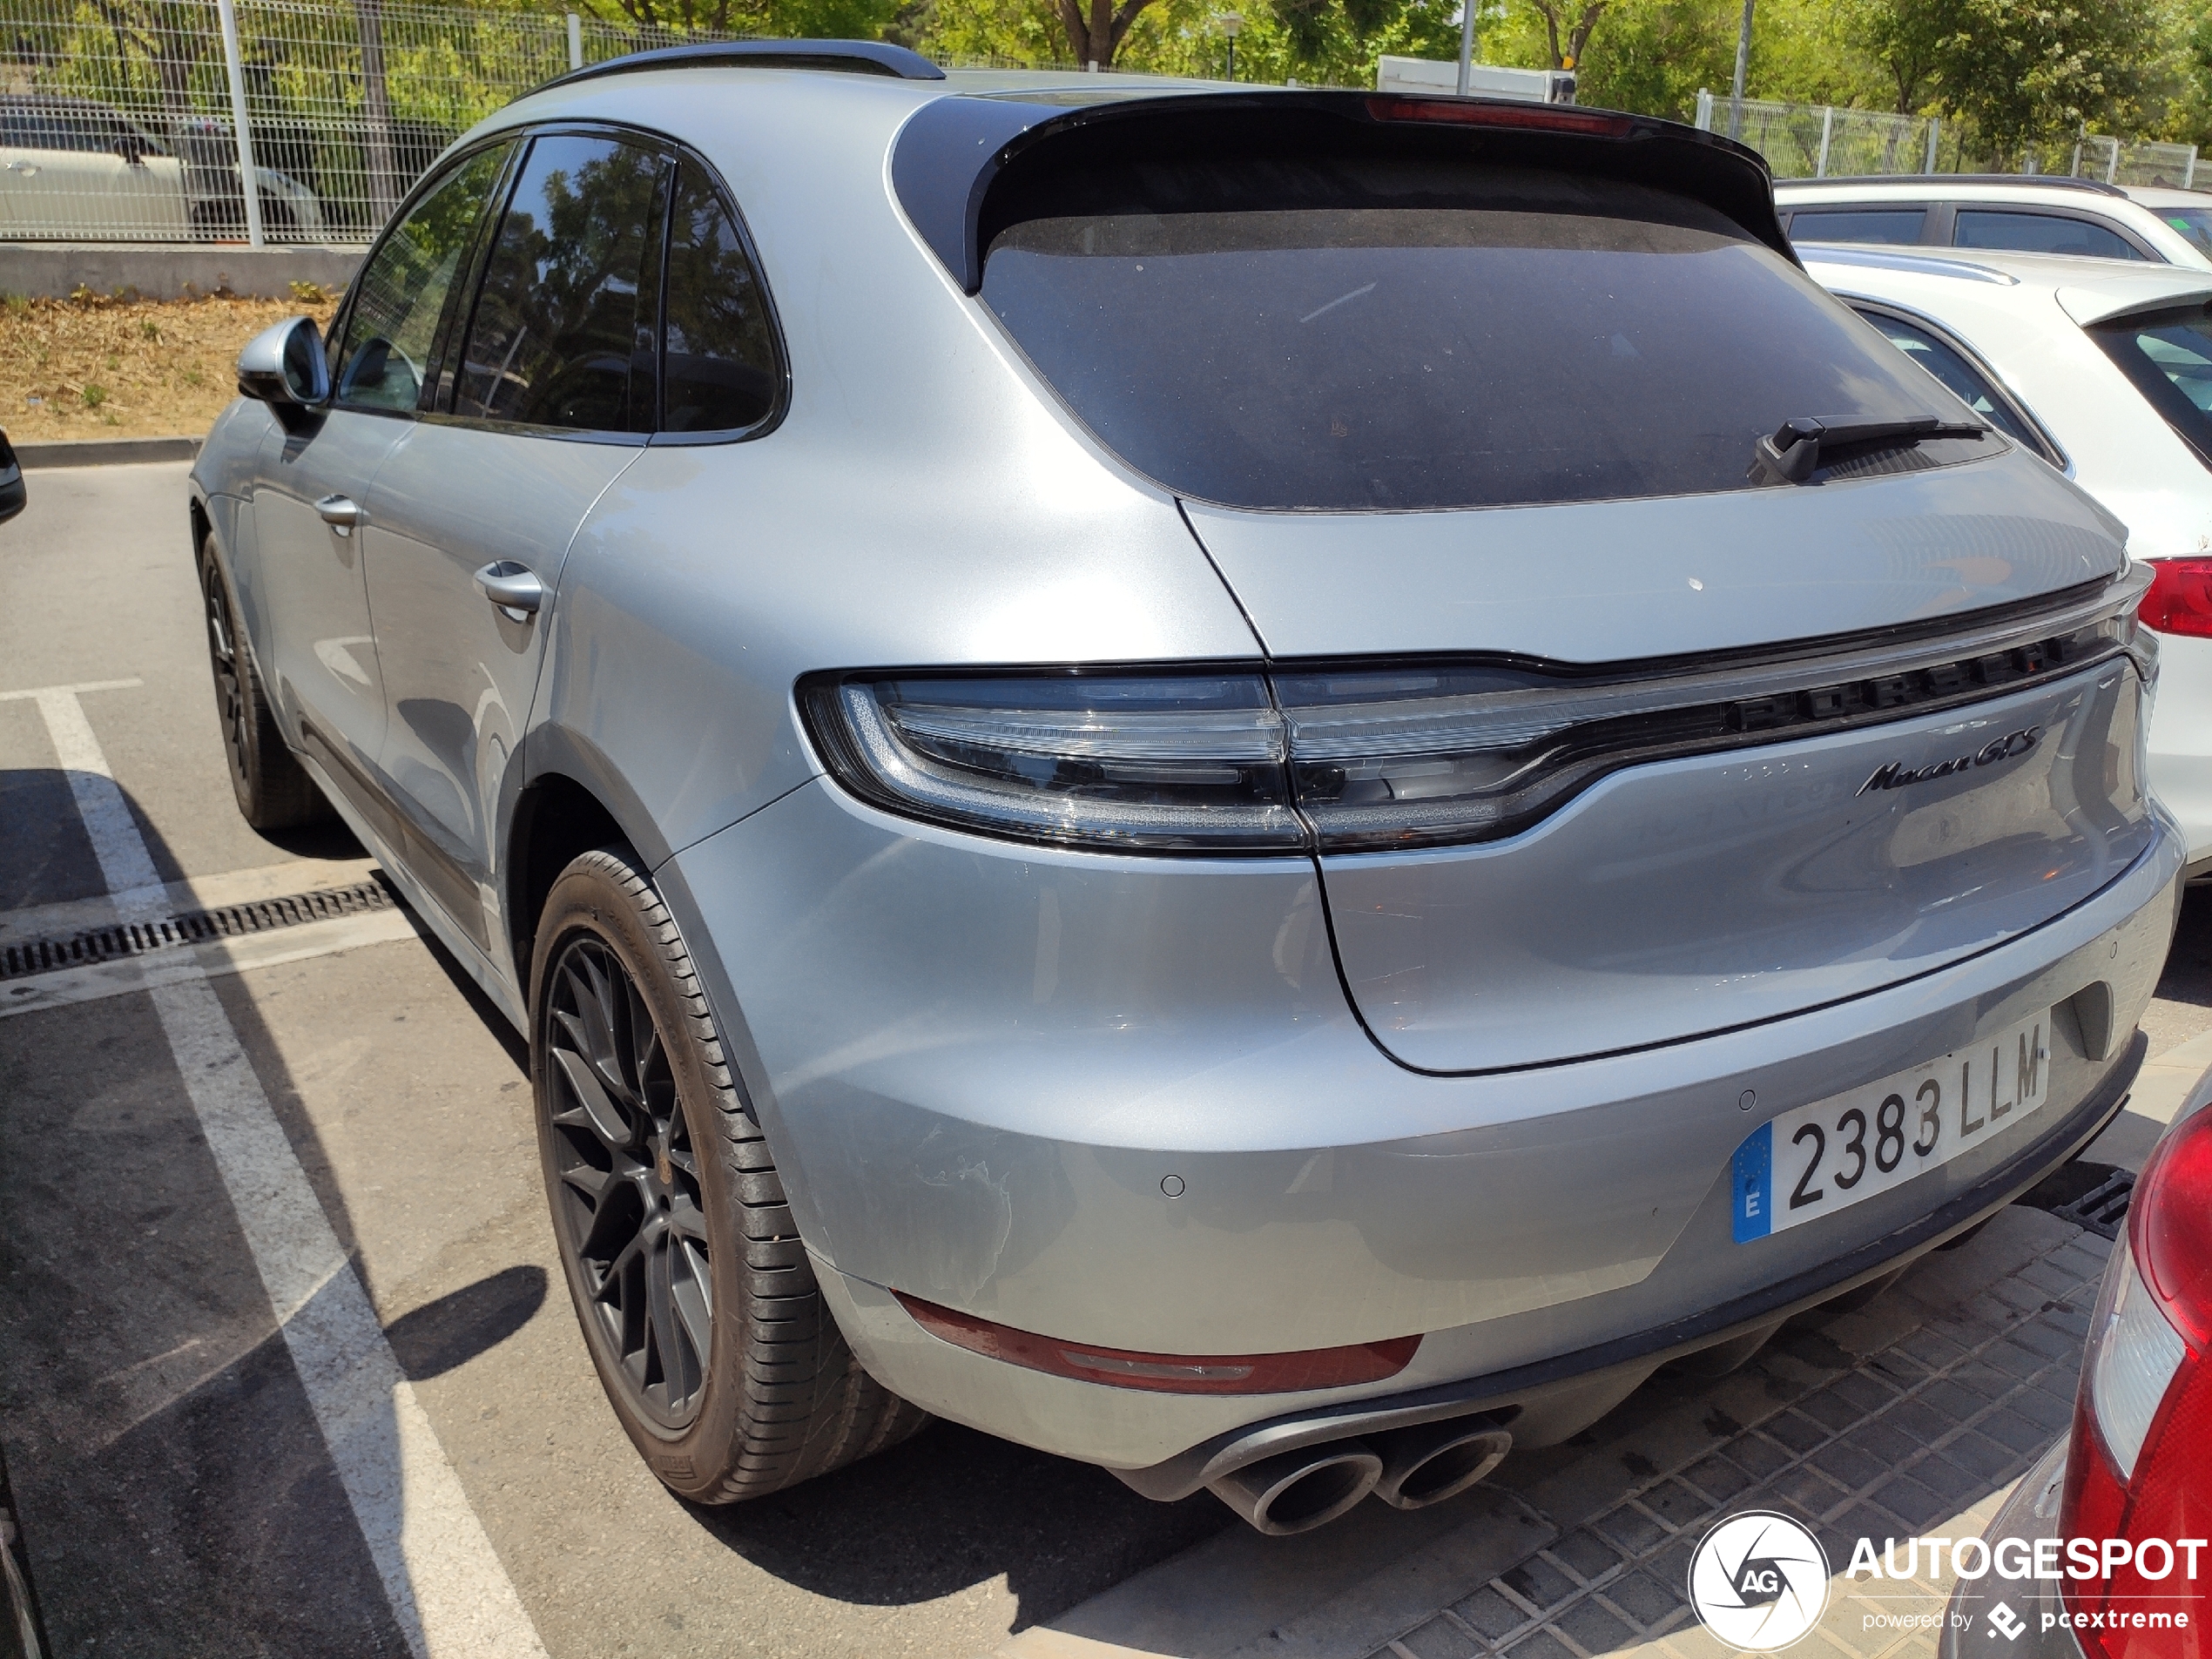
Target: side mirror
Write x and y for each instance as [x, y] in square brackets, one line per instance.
[285, 368]
[11, 490]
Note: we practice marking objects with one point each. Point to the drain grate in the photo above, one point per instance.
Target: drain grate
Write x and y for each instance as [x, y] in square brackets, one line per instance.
[121, 940]
[2103, 1208]
[2089, 1195]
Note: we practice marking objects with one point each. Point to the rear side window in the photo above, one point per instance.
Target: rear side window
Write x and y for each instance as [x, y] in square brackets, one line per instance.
[718, 370]
[2169, 358]
[1895, 225]
[1958, 373]
[390, 329]
[2196, 223]
[1430, 334]
[2040, 233]
[555, 340]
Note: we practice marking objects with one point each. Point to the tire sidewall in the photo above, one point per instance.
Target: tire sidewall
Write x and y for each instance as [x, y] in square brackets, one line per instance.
[246, 767]
[588, 899]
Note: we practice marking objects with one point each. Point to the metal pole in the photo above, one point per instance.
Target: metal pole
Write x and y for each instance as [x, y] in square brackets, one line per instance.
[2188, 170]
[1742, 68]
[1827, 131]
[576, 42]
[1466, 45]
[1935, 135]
[249, 184]
[2111, 167]
[1704, 122]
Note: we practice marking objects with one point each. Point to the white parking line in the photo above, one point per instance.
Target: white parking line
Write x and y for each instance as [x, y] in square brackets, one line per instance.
[446, 1586]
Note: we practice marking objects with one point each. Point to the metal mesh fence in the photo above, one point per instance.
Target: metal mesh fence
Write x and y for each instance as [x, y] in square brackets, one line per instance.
[116, 117]
[1815, 141]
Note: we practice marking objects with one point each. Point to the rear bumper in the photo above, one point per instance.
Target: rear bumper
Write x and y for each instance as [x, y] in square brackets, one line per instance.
[2180, 743]
[1016, 1049]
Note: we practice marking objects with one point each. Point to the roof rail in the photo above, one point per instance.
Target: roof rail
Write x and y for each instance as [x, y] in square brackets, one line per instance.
[1937, 180]
[846, 56]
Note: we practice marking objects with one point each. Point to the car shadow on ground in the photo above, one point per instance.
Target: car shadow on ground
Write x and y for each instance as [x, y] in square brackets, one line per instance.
[175, 1494]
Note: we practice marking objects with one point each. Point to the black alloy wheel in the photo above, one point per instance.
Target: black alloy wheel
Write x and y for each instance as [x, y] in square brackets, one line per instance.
[274, 791]
[232, 705]
[630, 1209]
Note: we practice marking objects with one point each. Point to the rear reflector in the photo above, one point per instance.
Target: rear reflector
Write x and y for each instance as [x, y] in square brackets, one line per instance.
[1167, 1374]
[2180, 600]
[1537, 118]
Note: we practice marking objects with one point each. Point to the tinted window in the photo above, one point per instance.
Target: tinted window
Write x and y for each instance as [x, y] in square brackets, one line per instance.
[1948, 364]
[555, 325]
[2169, 358]
[1581, 339]
[2196, 223]
[2040, 233]
[403, 287]
[1891, 225]
[720, 371]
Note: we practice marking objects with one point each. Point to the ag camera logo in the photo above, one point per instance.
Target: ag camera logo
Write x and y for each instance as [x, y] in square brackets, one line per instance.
[1759, 1580]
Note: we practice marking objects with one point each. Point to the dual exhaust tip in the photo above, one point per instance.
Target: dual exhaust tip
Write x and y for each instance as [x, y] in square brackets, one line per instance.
[1408, 1468]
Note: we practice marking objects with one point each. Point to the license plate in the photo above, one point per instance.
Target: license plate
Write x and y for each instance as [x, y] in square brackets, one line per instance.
[1823, 1157]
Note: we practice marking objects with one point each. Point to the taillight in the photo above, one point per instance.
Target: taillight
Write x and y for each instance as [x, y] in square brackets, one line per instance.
[2180, 600]
[1166, 1373]
[1359, 757]
[2139, 1476]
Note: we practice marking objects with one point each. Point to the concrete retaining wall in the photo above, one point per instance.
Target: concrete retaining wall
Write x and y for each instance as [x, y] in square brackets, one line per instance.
[53, 270]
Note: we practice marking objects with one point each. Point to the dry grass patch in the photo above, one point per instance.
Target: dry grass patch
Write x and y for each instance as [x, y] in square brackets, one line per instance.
[95, 367]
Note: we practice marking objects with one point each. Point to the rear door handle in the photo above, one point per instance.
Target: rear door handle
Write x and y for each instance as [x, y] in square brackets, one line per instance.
[342, 513]
[514, 588]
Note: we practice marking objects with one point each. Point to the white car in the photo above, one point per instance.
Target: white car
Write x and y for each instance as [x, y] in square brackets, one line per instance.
[2081, 217]
[71, 168]
[2106, 371]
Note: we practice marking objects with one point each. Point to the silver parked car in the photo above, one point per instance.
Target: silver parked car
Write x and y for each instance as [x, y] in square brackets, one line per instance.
[1268, 787]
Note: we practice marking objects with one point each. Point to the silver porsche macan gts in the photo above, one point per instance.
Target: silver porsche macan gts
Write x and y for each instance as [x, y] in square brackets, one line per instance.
[1270, 787]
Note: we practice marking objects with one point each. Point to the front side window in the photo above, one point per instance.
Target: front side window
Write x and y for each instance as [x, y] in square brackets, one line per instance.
[719, 372]
[1899, 226]
[554, 343]
[1966, 381]
[2169, 358]
[2017, 232]
[1430, 334]
[390, 330]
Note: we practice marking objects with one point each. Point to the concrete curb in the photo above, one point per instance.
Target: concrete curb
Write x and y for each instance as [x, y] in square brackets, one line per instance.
[106, 452]
[55, 270]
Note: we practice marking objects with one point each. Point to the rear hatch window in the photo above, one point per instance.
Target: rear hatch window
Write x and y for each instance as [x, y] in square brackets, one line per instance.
[1425, 332]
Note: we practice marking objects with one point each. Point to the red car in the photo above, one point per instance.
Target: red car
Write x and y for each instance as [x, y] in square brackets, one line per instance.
[2115, 1522]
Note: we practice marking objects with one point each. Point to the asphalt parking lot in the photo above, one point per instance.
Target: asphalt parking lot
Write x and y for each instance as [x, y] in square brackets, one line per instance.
[184, 1486]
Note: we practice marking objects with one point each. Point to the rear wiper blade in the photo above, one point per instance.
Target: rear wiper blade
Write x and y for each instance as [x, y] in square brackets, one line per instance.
[1793, 454]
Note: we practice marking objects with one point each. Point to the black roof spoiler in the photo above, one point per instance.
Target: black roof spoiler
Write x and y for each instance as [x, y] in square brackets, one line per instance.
[845, 57]
[953, 150]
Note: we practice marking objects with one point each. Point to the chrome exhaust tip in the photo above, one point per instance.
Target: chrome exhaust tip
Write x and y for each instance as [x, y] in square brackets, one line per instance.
[1430, 1462]
[1295, 1492]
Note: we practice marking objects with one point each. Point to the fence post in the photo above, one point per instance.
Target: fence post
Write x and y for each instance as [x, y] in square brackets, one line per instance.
[249, 183]
[1704, 122]
[2188, 170]
[1935, 133]
[376, 99]
[576, 42]
[1827, 131]
[2111, 167]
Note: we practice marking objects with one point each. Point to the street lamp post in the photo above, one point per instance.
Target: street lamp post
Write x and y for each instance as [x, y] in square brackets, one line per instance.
[1231, 24]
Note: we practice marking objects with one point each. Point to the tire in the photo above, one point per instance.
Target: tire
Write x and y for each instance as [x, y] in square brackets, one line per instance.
[273, 790]
[672, 1226]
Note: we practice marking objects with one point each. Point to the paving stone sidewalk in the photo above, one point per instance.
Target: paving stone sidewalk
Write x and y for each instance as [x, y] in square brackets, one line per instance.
[1911, 1416]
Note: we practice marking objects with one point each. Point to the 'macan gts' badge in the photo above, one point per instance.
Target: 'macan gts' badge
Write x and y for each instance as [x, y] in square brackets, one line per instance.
[1897, 774]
